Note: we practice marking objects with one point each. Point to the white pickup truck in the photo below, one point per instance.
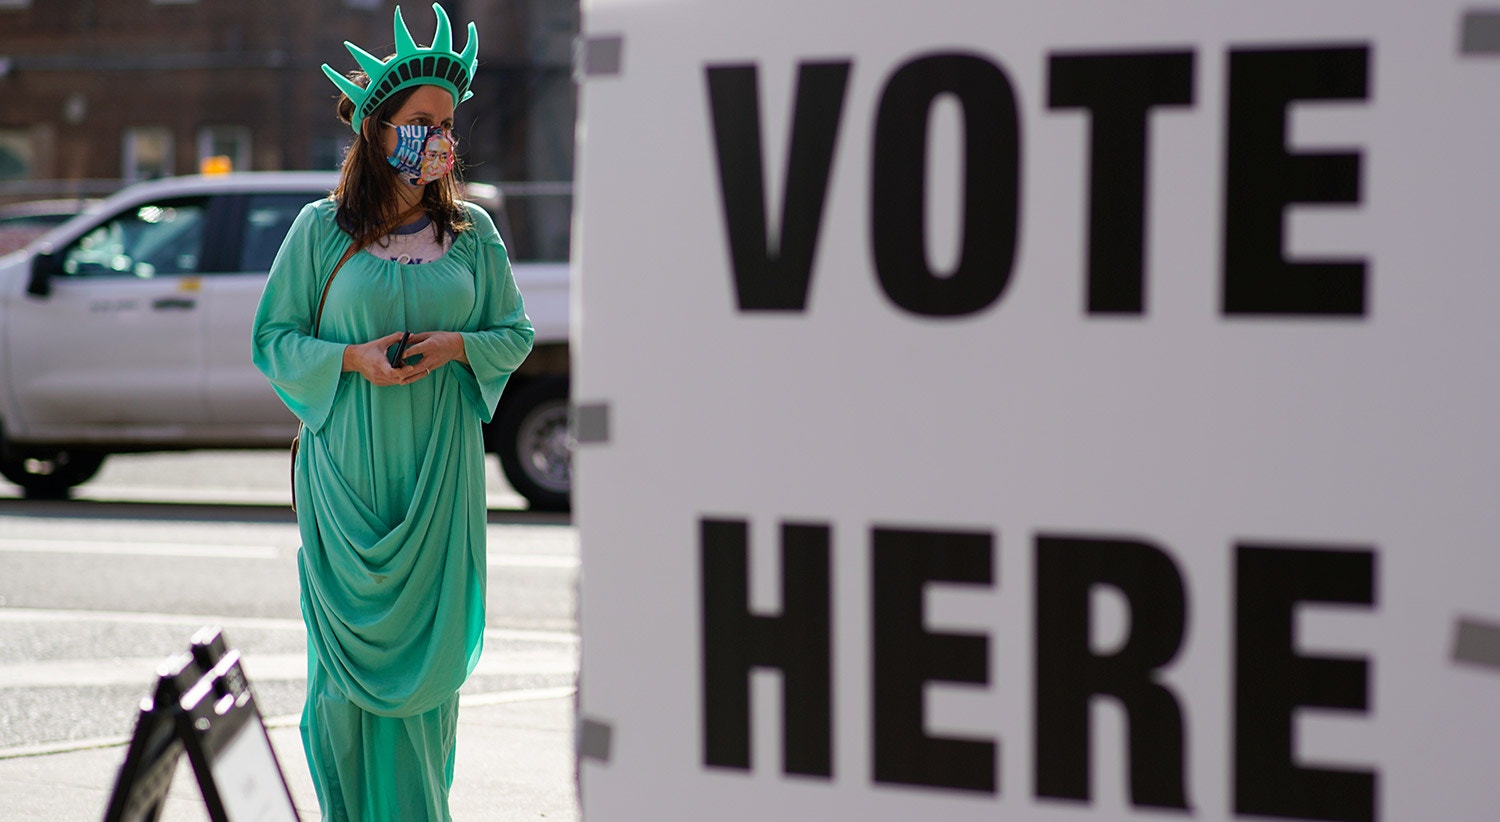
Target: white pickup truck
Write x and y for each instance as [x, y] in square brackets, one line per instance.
[127, 329]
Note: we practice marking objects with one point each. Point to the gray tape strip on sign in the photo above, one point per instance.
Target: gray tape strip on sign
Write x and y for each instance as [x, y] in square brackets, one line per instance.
[593, 739]
[1477, 643]
[591, 423]
[1480, 32]
[602, 55]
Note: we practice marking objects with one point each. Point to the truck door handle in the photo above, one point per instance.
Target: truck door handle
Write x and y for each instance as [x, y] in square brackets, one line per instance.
[166, 303]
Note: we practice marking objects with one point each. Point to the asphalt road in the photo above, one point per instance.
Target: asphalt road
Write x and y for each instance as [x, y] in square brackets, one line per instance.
[96, 592]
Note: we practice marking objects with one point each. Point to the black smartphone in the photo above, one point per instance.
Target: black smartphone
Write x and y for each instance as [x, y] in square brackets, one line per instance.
[394, 355]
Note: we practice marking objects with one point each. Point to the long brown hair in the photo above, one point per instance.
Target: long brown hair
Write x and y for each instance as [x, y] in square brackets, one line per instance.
[368, 193]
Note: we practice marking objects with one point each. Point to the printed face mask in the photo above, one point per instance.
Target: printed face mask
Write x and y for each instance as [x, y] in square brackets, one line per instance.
[423, 153]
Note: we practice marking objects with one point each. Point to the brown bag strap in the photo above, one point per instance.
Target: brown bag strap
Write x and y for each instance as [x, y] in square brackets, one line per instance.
[350, 252]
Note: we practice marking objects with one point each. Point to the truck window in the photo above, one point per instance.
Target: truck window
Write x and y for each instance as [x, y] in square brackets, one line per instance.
[267, 219]
[149, 240]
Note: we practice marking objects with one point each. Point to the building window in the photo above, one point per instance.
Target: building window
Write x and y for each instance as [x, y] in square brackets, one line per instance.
[232, 142]
[16, 157]
[148, 153]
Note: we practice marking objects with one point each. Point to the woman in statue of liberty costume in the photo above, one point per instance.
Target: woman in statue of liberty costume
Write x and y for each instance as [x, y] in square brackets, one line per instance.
[389, 478]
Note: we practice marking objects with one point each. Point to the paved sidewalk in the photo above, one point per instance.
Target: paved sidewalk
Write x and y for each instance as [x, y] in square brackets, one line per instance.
[515, 762]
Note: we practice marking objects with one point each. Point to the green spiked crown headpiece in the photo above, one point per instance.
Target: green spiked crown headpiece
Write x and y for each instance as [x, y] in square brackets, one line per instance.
[412, 66]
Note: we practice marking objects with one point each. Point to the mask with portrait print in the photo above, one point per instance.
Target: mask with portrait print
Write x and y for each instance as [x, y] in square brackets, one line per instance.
[423, 154]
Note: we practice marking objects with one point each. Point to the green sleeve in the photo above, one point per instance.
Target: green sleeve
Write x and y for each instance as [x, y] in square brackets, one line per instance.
[501, 333]
[303, 370]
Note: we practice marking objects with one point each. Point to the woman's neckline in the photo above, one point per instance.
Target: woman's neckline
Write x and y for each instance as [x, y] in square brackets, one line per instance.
[413, 227]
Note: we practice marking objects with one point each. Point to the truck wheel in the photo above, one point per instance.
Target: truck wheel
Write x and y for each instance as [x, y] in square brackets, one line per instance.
[49, 476]
[535, 444]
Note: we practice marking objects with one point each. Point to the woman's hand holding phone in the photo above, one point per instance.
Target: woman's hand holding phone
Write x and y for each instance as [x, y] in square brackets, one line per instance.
[430, 350]
[396, 355]
[404, 357]
[373, 359]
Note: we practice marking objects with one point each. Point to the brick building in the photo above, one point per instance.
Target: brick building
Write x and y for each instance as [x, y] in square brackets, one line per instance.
[97, 93]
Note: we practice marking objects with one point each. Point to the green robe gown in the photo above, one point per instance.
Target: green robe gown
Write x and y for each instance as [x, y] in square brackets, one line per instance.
[390, 490]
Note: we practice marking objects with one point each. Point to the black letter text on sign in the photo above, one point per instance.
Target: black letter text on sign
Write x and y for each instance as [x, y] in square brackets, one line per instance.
[774, 274]
[1262, 178]
[1271, 681]
[991, 181]
[1069, 674]
[797, 643]
[907, 656]
[1119, 90]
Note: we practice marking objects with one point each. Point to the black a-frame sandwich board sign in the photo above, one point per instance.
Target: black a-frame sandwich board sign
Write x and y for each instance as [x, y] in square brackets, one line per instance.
[203, 707]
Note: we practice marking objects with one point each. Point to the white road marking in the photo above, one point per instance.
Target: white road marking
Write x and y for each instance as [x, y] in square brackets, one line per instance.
[19, 545]
[142, 618]
[506, 697]
[258, 667]
[268, 623]
[137, 549]
[233, 496]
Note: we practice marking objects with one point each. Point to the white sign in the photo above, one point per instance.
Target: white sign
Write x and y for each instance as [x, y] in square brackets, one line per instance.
[250, 783]
[1039, 410]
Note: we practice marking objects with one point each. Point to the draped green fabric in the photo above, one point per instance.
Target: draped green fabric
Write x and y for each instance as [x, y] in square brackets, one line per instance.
[391, 503]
